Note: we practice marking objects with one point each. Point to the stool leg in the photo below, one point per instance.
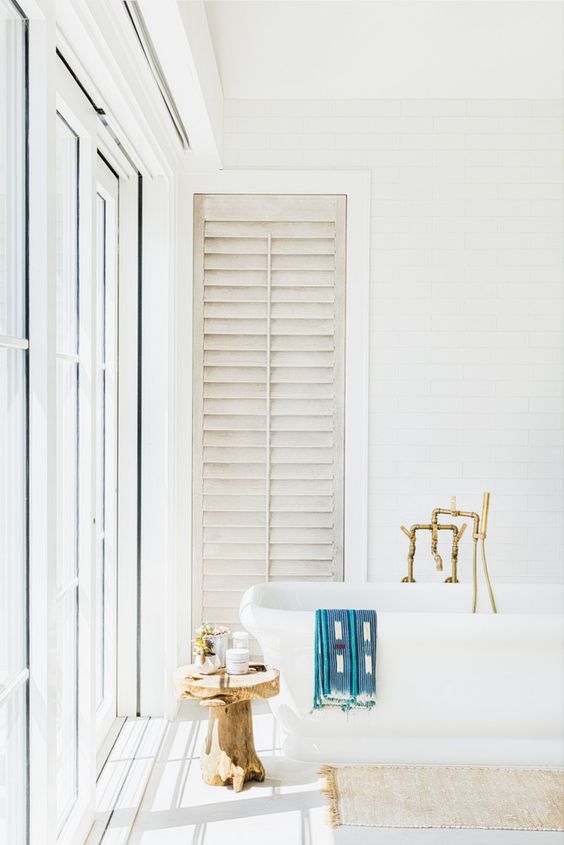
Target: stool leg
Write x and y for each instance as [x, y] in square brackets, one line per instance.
[229, 754]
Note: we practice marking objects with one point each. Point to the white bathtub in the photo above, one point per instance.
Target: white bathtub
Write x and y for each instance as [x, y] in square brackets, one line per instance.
[452, 687]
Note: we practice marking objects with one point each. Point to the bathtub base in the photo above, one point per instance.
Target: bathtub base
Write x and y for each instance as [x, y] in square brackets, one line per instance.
[418, 751]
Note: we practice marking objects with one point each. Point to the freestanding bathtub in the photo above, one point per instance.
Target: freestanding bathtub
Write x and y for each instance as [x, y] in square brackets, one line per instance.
[452, 686]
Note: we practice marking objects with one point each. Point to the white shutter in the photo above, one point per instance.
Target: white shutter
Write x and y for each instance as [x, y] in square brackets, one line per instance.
[268, 428]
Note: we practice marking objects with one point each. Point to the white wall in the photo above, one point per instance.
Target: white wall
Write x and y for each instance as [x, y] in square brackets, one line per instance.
[413, 48]
[466, 382]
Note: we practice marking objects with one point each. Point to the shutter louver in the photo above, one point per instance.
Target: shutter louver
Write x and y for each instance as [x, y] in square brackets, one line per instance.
[268, 429]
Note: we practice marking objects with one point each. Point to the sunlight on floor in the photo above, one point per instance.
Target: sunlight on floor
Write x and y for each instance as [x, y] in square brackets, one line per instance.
[151, 792]
[179, 807]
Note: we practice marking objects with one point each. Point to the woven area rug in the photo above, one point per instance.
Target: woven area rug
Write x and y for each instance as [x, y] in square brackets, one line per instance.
[485, 798]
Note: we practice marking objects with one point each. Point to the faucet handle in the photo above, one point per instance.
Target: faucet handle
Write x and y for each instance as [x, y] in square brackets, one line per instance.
[453, 503]
[406, 532]
[461, 531]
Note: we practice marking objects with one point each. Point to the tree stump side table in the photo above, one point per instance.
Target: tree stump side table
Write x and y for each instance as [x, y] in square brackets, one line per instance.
[229, 754]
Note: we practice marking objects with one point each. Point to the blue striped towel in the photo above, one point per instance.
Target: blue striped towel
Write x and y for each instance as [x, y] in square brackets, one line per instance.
[345, 659]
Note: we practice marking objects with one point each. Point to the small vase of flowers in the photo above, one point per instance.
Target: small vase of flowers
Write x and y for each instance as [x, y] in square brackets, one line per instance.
[205, 658]
[216, 635]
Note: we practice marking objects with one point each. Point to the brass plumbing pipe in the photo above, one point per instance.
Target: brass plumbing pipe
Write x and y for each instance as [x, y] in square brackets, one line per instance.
[452, 511]
[411, 534]
[411, 553]
[455, 541]
[476, 537]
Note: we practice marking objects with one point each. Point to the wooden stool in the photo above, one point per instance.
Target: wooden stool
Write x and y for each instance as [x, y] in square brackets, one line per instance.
[229, 754]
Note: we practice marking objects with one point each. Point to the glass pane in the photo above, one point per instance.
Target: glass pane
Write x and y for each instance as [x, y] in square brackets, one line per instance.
[101, 450]
[67, 703]
[67, 471]
[13, 767]
[12, 172]
[100, 621]
[67, 239]
[13, 521]
[101, 235]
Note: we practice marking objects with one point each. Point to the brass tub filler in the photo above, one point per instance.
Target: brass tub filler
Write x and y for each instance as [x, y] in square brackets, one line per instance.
[478, 536]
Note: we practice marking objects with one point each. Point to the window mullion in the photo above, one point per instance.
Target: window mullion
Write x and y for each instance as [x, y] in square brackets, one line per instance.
[66, 356]
[70, 585]
[9, 342]
[7, 691]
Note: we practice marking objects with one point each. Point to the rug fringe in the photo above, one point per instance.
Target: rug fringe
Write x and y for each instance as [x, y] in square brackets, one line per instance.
[330, 791]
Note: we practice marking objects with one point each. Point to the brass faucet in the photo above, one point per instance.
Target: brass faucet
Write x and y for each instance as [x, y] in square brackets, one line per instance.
[435, 528]
[457, 533]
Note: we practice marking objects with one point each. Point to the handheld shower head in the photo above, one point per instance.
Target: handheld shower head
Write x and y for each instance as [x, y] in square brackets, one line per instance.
[485, 514]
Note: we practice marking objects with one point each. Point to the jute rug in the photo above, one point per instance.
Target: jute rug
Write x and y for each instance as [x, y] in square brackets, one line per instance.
[479, 797]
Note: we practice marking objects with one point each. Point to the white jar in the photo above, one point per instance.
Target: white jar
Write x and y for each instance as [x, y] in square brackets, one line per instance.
[237, 661]
[240, 639]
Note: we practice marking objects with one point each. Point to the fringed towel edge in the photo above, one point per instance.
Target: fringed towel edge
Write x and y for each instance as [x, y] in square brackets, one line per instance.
[343, 703]
[330, 790]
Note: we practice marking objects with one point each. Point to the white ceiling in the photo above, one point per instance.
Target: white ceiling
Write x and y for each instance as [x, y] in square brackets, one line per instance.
[287, 49]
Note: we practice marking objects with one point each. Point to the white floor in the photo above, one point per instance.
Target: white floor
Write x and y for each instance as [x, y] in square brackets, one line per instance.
[151, 793]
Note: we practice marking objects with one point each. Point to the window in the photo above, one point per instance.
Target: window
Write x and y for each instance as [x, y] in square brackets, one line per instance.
[58, 415]
[14, 671]
[268, 448]
[68, 479]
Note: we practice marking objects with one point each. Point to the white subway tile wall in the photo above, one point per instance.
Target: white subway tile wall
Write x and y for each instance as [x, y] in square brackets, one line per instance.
[466, 310]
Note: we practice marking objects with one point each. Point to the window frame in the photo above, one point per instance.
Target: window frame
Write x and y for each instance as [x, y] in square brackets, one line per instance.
[42, 455]
[68, 360]
[80, 117]
[46, 97]
[107, 189]
[20, 343]
[141, 149]
[127, 352]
